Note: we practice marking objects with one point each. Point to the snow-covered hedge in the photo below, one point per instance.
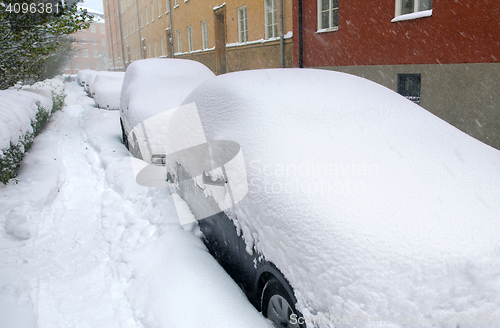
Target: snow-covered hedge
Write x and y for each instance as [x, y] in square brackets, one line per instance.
[24, 112]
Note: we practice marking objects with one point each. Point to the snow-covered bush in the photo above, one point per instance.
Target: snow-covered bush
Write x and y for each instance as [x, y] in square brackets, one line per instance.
[23, 115]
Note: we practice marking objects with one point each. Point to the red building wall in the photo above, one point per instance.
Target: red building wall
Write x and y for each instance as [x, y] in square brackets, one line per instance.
[459, 31]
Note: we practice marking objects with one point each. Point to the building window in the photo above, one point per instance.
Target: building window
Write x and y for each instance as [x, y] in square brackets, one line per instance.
[176, 3]
[96, 66]
[147, 16]
[85, 53]
[190, 38]
[162, 46]
[159, 8]
[149, 49]
[204, 34]
[404, 7]
[142, 20]
[179, 41]
[103, 42]
[84, 41]
[92, 28]
[152, 12]
[104, 53]
[155, 49]
[167, 3]
[66, 67]
[271, 18]
[409, 86]
[102, 29]
[242, 24]
[95, 53]
[86, 65]
[328, 14]
[75, 65]
[94, 42]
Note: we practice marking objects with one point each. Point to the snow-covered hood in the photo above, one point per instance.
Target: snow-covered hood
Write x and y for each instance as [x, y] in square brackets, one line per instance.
[370, 205]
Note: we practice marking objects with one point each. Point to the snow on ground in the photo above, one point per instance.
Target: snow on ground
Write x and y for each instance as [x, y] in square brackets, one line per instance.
[82, 245]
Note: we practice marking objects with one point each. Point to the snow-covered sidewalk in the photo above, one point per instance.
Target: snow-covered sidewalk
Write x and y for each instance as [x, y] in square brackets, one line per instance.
[82, 245]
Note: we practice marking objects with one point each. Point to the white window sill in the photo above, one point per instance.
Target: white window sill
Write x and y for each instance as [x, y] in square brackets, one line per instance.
[325, 30]
[418, 14]
[176, 6]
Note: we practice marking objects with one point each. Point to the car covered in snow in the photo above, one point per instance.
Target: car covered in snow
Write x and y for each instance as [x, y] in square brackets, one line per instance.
[108, 86]
[151, 89]
[334, 201]
[89, 83]
[82, 76]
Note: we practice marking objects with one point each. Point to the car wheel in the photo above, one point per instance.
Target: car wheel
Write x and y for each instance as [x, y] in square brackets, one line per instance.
[124, 137]
[278, 305]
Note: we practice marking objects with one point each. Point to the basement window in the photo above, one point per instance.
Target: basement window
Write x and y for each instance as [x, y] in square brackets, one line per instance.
[409, 86]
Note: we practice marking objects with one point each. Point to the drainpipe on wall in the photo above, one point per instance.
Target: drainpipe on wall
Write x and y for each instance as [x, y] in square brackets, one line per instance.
[121, 36]
[282, 37]
[111, 38]
[171, 28]
[301, 40]
[138, 27]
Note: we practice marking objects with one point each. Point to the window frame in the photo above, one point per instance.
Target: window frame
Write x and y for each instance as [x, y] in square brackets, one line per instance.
[242, 33]
[331, 27]
[159, 8]
[101, 28]
[204, 35]
[85, 53]
[274, 18]
[179, 41]
[190, 38]
[416, 5]
[95, 53]
[152, 12]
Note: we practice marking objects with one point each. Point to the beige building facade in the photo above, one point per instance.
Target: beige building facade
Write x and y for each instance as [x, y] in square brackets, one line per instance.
[227, 36]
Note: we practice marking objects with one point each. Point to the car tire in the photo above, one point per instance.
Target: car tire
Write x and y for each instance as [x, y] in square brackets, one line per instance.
[278, 305]
[124, 137]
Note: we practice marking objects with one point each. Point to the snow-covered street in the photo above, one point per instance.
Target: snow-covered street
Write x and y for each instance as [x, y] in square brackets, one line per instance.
[83, 245]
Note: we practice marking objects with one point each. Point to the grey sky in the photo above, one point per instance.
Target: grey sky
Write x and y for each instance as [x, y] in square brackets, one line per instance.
[93, 4]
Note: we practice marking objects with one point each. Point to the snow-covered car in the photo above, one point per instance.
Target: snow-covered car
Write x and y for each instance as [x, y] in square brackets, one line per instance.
[152, 88]
[89, 83]
[334, 201]
[82, 76]
[108, 86]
